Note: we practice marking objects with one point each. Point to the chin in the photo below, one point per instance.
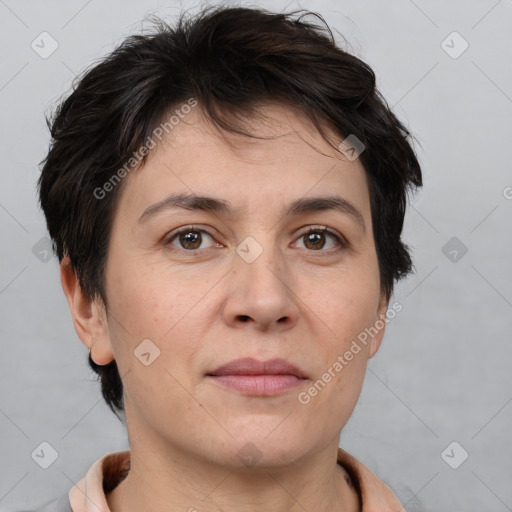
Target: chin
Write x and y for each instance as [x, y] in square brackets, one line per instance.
[258, 448]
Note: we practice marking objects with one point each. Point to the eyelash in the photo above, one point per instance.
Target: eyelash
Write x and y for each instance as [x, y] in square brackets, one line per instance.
[342, 241]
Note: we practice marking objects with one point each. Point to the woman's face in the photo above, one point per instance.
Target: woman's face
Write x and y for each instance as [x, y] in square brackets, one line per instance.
[243, 280]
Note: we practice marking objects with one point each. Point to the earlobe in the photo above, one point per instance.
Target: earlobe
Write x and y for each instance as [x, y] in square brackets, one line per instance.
[89, 317]
[380, 325]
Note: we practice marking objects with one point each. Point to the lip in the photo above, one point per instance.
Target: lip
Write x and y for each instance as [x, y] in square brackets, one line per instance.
[250, 366]
[258, 378]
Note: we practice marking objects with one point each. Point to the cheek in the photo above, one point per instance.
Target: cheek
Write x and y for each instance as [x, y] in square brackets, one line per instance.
[343, 313]
[148, 302]
[144, 308]
[344, 309]
[164, 309]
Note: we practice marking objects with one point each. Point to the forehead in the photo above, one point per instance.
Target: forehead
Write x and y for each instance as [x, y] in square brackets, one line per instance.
[285, 159]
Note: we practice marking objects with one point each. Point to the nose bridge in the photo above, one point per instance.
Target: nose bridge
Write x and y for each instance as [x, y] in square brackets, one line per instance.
[259, 262]
[259, 291]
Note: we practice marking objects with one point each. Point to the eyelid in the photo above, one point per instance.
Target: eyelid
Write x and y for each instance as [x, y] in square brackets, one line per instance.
[342, 241]
[185, 229]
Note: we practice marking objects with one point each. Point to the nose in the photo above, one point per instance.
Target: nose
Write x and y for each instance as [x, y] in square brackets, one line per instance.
[260, 293]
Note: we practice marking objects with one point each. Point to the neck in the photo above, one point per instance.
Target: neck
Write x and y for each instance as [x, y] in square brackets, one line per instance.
[164, 479]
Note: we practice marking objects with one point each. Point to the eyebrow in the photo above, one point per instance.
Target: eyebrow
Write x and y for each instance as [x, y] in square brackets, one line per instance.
[210, 204]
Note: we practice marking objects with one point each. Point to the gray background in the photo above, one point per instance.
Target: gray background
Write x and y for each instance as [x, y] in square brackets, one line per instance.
[443, 372]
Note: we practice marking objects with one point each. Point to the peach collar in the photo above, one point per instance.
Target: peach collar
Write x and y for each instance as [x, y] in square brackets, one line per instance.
[89, 494]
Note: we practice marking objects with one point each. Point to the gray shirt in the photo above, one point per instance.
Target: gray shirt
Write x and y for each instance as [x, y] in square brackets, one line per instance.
[59, 505]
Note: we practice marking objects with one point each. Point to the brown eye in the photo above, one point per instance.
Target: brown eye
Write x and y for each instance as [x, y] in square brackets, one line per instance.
[190, 239]
[316, 239]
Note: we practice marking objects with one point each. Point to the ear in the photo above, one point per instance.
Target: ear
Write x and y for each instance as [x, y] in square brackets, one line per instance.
[380, 324]
[89, 316]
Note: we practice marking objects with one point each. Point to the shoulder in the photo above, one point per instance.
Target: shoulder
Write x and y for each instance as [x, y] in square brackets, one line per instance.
[374, 494]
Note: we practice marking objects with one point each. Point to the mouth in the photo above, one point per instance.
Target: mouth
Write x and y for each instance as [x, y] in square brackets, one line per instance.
[258, 378]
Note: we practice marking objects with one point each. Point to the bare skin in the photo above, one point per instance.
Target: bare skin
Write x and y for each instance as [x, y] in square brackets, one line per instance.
[305, 298]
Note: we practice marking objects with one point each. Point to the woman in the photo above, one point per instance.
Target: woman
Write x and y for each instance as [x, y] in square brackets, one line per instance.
[226, 198]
